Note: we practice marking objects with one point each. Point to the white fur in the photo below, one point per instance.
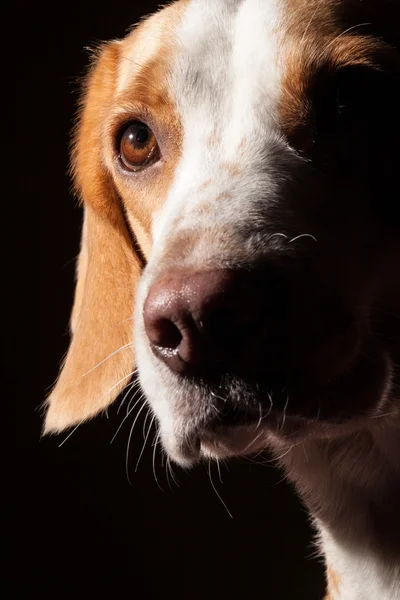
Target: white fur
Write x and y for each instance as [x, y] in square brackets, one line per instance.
[222, 86]
[352, 478]
[226, 82]
[362, 576]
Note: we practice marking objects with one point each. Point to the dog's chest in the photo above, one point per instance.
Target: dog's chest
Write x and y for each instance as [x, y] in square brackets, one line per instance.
[352, 576]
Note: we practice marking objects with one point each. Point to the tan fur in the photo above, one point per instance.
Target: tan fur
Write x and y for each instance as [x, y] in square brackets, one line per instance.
[108, 268]
[223, 196]
[233, 169]
[129, 81]
[316, 39]
[213, 140]
[334, 582]
[204, 185]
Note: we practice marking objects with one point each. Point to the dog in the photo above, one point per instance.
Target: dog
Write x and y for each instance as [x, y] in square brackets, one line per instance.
[238, 162]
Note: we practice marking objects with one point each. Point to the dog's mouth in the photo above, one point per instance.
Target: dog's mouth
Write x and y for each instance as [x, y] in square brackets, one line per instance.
[237, 417]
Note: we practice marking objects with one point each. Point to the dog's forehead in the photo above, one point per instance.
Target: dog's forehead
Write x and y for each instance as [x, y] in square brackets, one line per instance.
[205, 46]
[228, 71]
[221, 62]
[201, 37]
[152, 39]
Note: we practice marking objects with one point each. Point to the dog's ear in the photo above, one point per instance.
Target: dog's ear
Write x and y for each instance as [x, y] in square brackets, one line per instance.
[108, 269]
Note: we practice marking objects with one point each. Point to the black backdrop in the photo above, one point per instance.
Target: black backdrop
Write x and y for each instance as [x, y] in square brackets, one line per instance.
[81, 529]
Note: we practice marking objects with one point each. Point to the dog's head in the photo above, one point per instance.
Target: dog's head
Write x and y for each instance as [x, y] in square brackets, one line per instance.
[239, 166]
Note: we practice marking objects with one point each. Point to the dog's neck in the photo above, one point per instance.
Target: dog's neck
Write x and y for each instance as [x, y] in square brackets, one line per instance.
[351, 486]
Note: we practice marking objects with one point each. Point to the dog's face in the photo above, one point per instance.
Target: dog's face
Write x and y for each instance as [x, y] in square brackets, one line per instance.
[252, 150]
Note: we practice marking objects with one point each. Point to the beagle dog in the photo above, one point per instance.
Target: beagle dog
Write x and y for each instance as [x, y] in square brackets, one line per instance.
[238, 162]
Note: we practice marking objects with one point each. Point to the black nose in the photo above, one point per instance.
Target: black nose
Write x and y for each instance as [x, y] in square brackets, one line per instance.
[204, 321]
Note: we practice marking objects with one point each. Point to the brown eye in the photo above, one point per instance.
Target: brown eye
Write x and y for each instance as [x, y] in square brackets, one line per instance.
[138, 146]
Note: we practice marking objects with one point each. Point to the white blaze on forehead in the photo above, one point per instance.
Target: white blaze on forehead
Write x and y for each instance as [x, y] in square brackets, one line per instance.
[226, 74]
[256, 76]
[225, 81]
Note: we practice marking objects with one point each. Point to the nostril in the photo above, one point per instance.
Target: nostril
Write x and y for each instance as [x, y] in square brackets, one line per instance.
[166, 334]
[205, 321]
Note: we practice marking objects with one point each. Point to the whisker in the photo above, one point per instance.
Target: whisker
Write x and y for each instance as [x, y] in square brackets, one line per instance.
[284, 414]
[291, 434]
[278, 458]
[214, 395]
[389, 414]
[252, 441]
[219, 470]
[145, 422]
[107, 357]
[145, 440]
[216, 492]
[259, 453]
[171, 470]
[167, 474]
[277, 235]
[260, 416]
[69, 435]
[302, 235]
[124, 321]
[129, 442]
[271, 405]
[157, 438]
[344, 33]
[129, 388]
[116, 384]
[137, 386]
[126, 416]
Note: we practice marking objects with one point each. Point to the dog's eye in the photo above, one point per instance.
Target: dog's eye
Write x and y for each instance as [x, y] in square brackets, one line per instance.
[357, 93]
[137, 146]
[353, 114]
[351, 100]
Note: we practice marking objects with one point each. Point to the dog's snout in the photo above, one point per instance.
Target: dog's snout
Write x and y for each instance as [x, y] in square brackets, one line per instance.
[197, 321]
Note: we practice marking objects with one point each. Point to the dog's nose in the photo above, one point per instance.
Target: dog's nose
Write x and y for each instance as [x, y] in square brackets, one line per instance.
[202, 321]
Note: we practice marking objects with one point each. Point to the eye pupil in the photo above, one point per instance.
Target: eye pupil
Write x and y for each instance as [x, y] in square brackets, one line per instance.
[137, 146]
[141, 135]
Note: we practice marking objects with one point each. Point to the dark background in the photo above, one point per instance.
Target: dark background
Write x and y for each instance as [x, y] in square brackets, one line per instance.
[81, 529]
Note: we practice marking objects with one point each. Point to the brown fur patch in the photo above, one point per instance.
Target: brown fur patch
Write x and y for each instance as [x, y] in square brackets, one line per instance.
[204, 208]
[316, 37]
[204, 185]
[223, 196]
[182, 245]
[233, 169]
[334, 582]
[213, 140]
[146, 96]
[96, 369]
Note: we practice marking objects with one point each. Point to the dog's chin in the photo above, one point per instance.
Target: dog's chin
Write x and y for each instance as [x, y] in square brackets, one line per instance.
[226, 442]
[339, 408]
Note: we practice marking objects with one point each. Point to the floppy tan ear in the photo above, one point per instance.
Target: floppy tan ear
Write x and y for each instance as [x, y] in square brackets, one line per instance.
[107, 272]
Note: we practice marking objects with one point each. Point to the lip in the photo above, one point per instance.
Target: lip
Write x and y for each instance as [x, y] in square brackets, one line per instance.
[222, 443]
[234, 441]
[333, 410]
